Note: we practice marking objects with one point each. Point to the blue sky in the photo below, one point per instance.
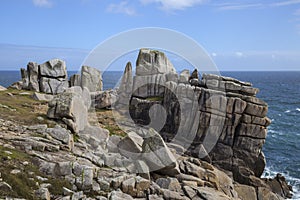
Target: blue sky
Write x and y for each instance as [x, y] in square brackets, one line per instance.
[238, 34]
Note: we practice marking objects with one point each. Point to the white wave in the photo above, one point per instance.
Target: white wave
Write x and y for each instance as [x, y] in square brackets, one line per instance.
[298, 109]
[272, 131]
[287, 111]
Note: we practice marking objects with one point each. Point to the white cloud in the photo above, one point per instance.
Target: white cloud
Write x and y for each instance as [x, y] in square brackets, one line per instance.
[214, 54]
[42, 3]
[239, 54]
[121, 8]
[286, 3]
[171, 5]
[239, 6]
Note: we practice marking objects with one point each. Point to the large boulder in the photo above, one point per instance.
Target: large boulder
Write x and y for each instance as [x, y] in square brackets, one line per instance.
[33, 76]
[52, 85]
[152, 62]
[157, 155]
[53, 68]
[91, 78]
[53, 77]
[71, 108]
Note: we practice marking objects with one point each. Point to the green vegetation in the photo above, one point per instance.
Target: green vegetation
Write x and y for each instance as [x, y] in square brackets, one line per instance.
[25, 183]
[21, 108]
[155, 98]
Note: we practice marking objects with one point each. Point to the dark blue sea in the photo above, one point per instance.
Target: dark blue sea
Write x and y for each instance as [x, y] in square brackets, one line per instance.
[281, 90]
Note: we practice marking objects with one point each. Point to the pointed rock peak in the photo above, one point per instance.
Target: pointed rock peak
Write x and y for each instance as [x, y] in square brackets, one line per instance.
[195, 74]
[128, 67]
[151, 62]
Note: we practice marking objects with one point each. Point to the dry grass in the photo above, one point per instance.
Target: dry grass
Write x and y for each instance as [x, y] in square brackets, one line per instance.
[21, 108]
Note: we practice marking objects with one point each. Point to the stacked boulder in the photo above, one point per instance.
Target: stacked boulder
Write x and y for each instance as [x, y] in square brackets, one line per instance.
[50, 77]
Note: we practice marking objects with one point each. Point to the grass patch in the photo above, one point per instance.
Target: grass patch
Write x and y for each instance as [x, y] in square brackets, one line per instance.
[23, 185]
[155, 98]
[106, 119]
[21, 108]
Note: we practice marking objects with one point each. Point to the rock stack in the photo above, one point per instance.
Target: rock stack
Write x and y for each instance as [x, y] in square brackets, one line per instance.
[51, 77]
[218, 119]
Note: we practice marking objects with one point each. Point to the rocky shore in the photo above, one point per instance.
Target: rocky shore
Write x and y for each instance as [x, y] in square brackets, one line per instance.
[166, 135]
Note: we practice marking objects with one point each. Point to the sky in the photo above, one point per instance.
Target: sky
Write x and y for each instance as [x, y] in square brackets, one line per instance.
[239, 35]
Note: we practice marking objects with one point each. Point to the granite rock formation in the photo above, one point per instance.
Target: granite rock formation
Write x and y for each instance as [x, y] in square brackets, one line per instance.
[186, 139]
[51, 78]
[215, 118]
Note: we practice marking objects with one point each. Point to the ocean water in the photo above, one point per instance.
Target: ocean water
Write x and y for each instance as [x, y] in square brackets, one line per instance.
[281, 90]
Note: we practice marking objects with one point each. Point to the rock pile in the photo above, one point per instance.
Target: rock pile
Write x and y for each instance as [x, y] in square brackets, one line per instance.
[109, 175]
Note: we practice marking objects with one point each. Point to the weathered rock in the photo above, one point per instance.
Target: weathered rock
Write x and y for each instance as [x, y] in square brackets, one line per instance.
[184, 76]
[245, 192]
[279, 186]
[33, 76]
[91, 78]
[171, 184]
[265, 193]
[194, 75]
[17, 85]
[211, 194]
[158, 156]
[142, 169]
[112, 143]
[53, 86]
[5, 187]
[69, 107]
[43, 194]
[171, 195]
[52, 77]
[118, 195]
[53, 68]
[62, 135]
[103, 99]
[42, 97]
[75, 80]
[2, 88]
[152, 62]
[131, 145]
[95, 136]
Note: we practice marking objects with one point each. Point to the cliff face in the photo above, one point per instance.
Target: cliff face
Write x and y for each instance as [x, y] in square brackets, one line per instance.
[218, 119]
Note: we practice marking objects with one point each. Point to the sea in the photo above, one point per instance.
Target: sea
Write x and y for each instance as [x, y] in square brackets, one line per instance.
[281, 90]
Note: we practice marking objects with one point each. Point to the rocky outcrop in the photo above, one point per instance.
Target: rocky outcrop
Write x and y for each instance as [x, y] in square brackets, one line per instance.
[152, 62]
[71, 107]
[186, 139]
[91, 78]
[50, 77]
[217, 118]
